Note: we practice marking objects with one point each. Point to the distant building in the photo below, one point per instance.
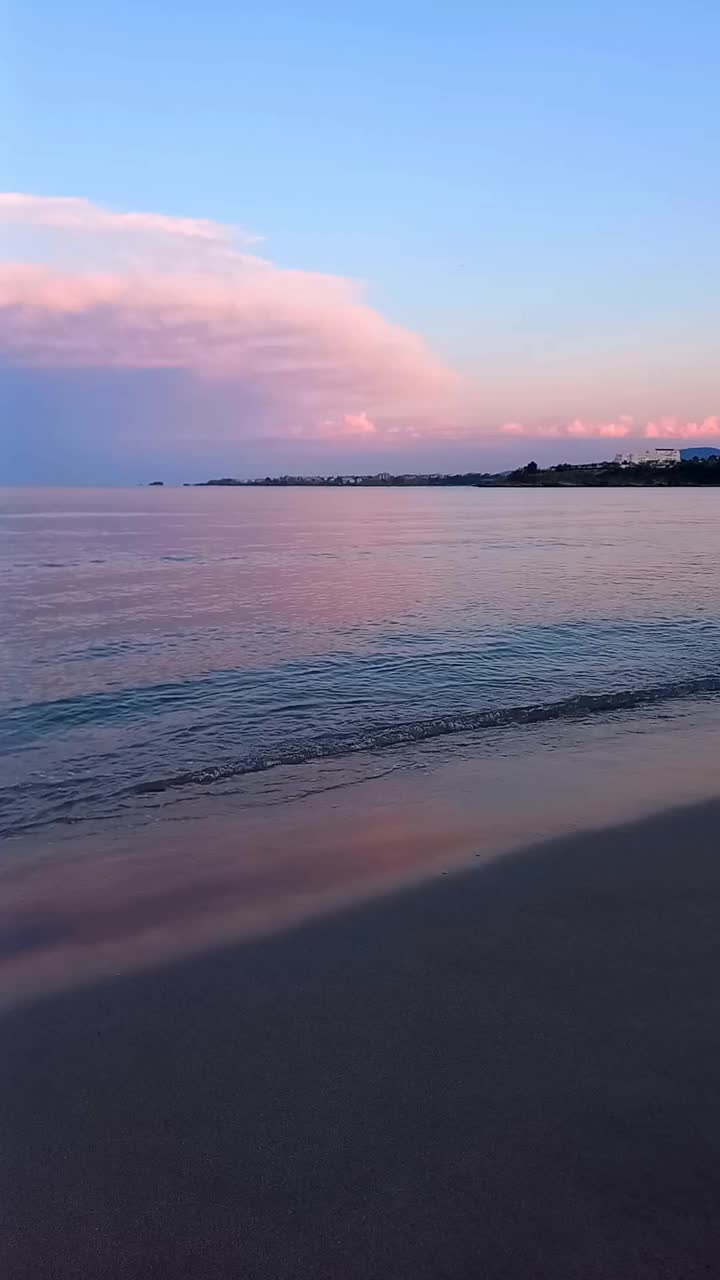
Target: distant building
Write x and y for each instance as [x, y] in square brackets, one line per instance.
[658, 457]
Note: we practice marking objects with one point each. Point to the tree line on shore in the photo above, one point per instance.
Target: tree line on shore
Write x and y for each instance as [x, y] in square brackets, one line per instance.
[689, 471]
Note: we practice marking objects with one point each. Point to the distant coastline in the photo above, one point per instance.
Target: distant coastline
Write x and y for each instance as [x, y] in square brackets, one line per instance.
[700, 468]
[694, 471]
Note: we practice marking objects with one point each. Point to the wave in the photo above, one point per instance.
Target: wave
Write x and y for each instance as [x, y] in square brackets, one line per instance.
[375, 738]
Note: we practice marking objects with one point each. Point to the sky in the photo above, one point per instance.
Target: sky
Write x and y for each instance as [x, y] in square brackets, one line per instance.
[318, 237]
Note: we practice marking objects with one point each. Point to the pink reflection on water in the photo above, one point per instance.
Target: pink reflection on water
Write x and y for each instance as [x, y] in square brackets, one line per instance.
[97, 904]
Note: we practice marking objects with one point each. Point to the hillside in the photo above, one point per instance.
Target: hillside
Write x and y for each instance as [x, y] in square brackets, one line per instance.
[702, 471]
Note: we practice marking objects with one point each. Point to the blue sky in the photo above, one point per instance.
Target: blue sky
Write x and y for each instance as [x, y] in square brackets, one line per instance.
[532, 189]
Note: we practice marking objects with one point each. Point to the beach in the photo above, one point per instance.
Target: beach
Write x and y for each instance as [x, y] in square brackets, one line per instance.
[508, 1071]
[359, 884]
[360, 643]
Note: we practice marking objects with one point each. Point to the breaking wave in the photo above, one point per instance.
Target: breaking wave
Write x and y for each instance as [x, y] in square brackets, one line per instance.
[377, 737]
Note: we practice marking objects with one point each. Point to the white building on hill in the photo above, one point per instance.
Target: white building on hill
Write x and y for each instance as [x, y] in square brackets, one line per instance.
[658, 457]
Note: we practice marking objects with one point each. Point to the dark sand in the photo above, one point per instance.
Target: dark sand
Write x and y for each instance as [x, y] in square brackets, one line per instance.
[508, 1073]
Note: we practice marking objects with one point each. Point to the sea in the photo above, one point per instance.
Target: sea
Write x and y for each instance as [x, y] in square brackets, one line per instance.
[162, 641]
[288, 691]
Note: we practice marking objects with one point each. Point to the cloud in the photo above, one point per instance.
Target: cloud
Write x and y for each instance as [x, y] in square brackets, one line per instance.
[672, 429]
[358, 424]
[308, 344]
[576, 429]
[72, 213]
[302, 355]
[665, 428]
[353, 424]
[350, 425]
[307, 340]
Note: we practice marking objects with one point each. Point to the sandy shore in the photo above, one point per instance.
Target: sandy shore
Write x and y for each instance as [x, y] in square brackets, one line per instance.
[511, 1072]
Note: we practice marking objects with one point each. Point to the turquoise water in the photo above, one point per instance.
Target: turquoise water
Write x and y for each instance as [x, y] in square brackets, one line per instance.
[164, 641]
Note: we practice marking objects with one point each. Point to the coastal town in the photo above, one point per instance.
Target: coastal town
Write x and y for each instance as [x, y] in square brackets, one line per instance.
[660, 465]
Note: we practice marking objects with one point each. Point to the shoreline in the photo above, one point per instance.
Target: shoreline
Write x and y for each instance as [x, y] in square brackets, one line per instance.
[509, 1071]
[82, 904]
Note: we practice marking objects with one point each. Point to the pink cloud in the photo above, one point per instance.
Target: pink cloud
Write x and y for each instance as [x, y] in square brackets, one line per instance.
[582, 429]
[665, 428]
[308, 349]
[576, 429]
[358, 424]
[309, 344]
[355, 426]
[672, 429]
[71, 213]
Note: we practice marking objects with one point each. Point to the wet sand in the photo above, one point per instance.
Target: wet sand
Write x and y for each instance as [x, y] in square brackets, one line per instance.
[507, 1073]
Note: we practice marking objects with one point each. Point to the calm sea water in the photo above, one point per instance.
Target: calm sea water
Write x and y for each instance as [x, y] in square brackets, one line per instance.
[161, 641]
